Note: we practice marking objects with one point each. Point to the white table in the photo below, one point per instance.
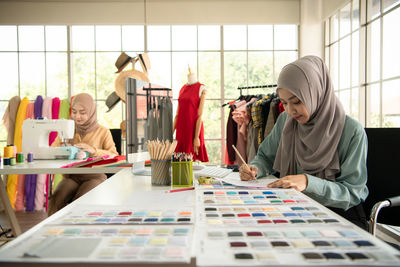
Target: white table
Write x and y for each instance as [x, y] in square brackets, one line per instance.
[40, 167]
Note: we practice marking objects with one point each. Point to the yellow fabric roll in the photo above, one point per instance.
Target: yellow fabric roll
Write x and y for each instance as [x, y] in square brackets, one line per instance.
[21, 115]
[12, 181]
[56, 180]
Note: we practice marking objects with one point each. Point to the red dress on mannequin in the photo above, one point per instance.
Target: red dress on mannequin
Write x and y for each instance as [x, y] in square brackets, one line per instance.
[188, 113]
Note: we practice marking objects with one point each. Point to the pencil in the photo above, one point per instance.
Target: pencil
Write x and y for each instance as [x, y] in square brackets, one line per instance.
[240, 156]
[180, 189]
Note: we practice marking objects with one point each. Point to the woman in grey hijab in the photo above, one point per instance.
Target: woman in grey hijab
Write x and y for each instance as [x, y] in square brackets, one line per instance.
[314, 146]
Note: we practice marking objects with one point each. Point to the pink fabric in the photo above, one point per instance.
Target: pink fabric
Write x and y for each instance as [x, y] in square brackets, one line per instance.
[47, 191]
[55, 111]
[20, 200]
[40, 189]
[240, 116]
[46, 108]
[30, 110]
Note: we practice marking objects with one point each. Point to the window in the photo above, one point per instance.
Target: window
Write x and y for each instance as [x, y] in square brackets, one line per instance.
[60, 61]
[368, 83]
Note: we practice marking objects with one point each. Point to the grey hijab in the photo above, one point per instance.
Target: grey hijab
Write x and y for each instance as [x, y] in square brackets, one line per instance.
[311, 146]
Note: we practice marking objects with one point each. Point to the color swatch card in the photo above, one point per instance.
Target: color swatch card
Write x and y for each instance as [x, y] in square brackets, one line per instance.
[255, 246]
[114, 215]
[250, 197]
[265, 215]
[138, 243]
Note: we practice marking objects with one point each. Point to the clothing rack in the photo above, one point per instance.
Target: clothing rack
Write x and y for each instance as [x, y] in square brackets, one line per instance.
[256, 86]
[149, 96]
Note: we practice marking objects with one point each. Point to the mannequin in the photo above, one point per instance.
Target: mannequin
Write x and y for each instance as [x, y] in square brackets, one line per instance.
[188, 122]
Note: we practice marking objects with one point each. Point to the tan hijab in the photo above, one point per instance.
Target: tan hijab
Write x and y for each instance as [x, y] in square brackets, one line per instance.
[90, 107]
[311, 146]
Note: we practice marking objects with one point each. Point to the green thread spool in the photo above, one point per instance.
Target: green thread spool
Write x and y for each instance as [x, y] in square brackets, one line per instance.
[20, 157]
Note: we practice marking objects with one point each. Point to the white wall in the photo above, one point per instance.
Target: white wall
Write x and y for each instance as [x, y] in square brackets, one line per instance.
[311, 28]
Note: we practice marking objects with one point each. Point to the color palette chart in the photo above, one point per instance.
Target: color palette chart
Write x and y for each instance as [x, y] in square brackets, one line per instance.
[126, 215]
[137, 243]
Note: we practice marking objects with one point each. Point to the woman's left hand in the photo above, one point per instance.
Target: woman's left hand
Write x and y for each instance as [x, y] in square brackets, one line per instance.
[298, 182]
[86, 147]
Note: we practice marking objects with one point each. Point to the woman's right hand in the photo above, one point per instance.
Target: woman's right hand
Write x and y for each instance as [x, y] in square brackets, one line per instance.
[248, 172]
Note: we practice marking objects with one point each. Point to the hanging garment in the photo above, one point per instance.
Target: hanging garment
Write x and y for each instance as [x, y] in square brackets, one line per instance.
[55, 110]
[20, 199]
[12, 181]
[30, 189]
[46, 107]
[10, 116]
[270, 119]
[38, 107]
[30, 110]
[188, 113]
[21, 115]
[231, 135]
[40, 191]
[166, 119]
[64, 109]
[239, 115]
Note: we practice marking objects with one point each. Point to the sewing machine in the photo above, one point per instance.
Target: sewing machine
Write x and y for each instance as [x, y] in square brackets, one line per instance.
[35, 137]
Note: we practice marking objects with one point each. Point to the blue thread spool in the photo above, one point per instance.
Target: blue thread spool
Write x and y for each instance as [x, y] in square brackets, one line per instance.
[30, 157]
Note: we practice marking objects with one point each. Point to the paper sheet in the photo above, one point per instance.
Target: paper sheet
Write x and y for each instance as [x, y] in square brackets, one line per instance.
[234, 179]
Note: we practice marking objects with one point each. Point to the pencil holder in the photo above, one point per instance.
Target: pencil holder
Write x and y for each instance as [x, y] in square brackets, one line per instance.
[182, 173]
[160, 172]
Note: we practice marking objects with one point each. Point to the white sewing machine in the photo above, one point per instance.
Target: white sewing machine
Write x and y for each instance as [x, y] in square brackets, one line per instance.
[35, 137]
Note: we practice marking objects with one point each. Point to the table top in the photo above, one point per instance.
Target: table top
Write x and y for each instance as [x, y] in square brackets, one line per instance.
[53, 167]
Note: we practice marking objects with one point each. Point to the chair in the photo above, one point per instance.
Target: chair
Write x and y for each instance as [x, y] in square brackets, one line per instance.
[116, 135]
[383, 175]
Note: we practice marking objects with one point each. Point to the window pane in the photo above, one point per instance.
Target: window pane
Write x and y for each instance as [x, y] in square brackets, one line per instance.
[56, 38]
[133, 38]
[31, 38]
[235, 37]
[213, 151]
[83, 79]
[373, 106]
[334, 69]
[210, 73]
[32, 76]
[327, 56]
[260, 70]
[235, 73]
[344, 65]
[355, 59]
[184, 38]
[355, 103]
[260, 37]
[160, 68]
[373, 57]
[108, 38]
[209, 37]
[345, 20]
[391, 44]
[57, 75]
[180, 62]
[158, 38]
[82, 38]
[327, 32]
[212, 119]
[373, 9]
[334, 28]
[345, 99]
[105, 76]
[285, 37]
[282, 59]
[8, 35]
[356, 15]
[110, 119]
[391, 100]
[388, 4]
[8, 75]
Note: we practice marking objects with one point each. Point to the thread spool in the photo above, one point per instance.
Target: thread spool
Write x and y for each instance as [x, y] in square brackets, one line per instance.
[13, 161]
[6, 161]
[30, 157]
[20, 157]
[8, 151]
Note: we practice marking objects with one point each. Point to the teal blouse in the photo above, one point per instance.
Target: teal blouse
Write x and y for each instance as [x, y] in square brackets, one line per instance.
[349, 189]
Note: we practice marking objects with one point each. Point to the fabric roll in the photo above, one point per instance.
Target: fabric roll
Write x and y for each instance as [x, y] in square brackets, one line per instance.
[64, 109]
[56, 180]
[47, 191]
[21, 115]
[55, 111]
[20, 199]
[30, 111]
[38, 106]
[10, 116]
[12, 181]
[30, 190]
[40, 191]
[46, 108]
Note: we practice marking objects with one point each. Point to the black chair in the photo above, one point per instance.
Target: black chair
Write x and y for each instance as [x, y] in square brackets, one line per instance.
[116, 135]
[383, 175]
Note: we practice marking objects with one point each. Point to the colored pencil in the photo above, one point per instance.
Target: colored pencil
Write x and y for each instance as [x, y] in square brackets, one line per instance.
[180, 189]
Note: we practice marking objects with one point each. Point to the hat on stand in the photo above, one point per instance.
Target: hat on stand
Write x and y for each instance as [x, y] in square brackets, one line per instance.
[112, 100]
[122, 61]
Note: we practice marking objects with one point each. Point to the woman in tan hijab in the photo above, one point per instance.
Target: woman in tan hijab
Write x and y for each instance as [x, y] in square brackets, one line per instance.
[314, 146]
[91, 137]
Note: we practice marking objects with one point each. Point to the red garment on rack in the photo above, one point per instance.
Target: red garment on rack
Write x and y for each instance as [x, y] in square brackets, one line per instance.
[188, 113]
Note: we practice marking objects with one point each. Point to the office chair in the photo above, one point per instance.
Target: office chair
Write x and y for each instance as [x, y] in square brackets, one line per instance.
[383, 176]
[116, 135]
